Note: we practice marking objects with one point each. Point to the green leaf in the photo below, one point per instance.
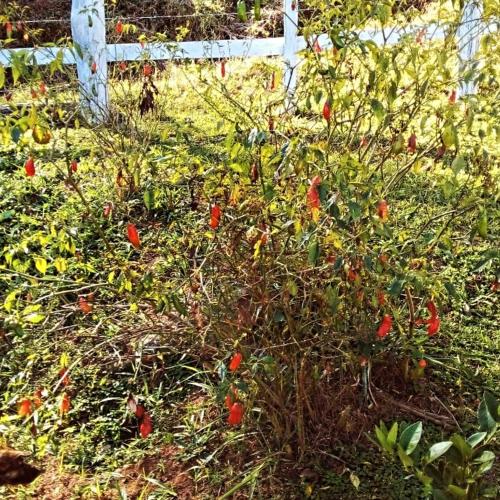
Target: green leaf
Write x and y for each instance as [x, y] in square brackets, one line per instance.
[178, 305]
[354, 480]
[458, 164]
[488, 413]
[392, 436]
[241, 9]
[476, 438]
[410, 437]
[313, 252]
[482, 224]
[405, 459]
[2, 76]
[461, 445]
[34, 318]
[450, 136]
[149, 199]
[396, 287]
[456, 490]
[437, 450]
[378, 109]
[256, 10]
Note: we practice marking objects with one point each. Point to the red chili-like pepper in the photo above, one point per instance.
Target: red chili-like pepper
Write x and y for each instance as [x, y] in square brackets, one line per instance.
[327, 110]
[215, 216]
[235, 361]
[74, 165]
[236, 414]
[146, 426]
[412, 143]
[29, 167]
[133, 235]
[433, 326]
[313, 199]
[385, 327]
[231, 398]
[383, 209]
[139, 411]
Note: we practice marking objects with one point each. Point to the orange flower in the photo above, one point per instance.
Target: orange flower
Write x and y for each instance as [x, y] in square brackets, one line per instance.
[215, 216]
[65, 403]
[25, 408]
[235, 414]
[385, 327]
[63, 374]
[422, 363]
[133, 235]
[119, 27]
[235, 361]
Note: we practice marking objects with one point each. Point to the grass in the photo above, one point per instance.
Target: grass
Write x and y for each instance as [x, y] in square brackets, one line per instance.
[129, 346]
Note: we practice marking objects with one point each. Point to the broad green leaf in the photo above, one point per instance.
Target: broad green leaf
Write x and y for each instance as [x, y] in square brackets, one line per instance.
[313, 252]
[476, 438]
[405, 459]
[461, 445]
[488, 413]
[34, 318]
[437, 450]
[482, 224]
[456, 490]
[410, 437]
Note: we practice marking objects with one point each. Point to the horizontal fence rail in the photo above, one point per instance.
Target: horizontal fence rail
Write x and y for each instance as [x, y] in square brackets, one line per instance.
[92, 48]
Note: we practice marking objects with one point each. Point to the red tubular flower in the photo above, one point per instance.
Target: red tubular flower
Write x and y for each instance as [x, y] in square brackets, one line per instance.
[235, 361]
[133, 235]
[383, 209]
[215, 216]
[385, 327]
[119, 27]
[452, 98]
[74, 165]
[29, 167]
[25, 408]
[147, 70]
[93, 68]
[412, 143]
[235, 414]
[327, 110]
[146, 425]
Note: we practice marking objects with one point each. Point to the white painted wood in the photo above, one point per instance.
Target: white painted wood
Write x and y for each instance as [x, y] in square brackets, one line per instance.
[468, 35]
[216, 49]
[88, 27]
[290, 49]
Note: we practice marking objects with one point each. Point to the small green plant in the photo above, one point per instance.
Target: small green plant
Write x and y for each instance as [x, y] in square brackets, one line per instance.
[449, 469]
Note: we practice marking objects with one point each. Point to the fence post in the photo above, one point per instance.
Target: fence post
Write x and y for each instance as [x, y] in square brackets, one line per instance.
[468, 35]
[88, 27]
[291, 29]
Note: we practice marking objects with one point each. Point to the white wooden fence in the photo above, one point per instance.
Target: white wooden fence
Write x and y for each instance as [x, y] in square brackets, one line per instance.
[91, 53]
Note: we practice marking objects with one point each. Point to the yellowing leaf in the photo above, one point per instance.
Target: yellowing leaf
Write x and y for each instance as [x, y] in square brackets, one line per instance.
[61, 264]
[41, 265]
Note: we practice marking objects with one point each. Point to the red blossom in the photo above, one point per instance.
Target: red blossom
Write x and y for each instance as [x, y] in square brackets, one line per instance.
[133, 235]
[215, 216]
